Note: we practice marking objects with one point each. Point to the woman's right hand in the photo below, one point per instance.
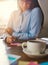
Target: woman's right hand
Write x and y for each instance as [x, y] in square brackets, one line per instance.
[9, 39]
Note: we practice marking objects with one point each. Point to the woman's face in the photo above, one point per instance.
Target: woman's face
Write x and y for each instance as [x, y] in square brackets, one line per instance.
[24, 4]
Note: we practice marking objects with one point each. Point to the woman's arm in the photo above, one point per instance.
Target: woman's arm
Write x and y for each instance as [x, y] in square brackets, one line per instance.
[34, 26]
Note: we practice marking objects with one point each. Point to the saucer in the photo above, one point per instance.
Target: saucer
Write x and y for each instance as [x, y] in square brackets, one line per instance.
[29, 54]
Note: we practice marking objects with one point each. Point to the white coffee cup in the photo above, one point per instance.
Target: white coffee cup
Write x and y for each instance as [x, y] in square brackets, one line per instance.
[35, 47]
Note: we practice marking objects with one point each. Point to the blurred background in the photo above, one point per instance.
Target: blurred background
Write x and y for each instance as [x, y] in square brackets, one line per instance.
[8, 6]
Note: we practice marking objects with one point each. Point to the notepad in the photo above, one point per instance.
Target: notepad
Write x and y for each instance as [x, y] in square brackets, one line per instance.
[13, 58]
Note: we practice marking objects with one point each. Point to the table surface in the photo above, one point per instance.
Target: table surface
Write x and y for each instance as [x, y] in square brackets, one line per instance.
[18, 51]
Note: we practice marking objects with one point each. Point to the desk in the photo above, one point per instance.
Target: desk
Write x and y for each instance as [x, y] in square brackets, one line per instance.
[18, 51]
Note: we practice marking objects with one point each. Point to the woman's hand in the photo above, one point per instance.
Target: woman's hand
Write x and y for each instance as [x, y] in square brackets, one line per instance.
[9, 31]
[10, 39]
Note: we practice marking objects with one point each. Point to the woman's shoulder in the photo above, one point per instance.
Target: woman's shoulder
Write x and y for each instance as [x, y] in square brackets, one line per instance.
[36, 9]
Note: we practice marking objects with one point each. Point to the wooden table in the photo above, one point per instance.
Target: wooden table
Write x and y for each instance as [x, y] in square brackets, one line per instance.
[18, 51]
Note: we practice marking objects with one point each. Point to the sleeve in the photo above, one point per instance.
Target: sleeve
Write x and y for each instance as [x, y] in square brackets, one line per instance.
[34, 26]
[21, 35]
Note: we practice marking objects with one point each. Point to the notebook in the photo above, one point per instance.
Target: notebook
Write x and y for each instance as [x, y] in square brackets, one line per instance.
[44, 63]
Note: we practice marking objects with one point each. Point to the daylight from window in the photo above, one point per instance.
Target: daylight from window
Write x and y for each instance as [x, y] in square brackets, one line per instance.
[6, 8]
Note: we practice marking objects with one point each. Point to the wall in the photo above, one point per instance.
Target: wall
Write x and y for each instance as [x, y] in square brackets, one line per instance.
[44, 6]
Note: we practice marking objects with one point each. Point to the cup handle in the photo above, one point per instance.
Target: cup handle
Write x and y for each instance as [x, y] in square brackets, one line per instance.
[24, 45]
[43, 48]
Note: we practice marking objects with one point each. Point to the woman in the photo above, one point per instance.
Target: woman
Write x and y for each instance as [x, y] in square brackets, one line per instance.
[26, 23]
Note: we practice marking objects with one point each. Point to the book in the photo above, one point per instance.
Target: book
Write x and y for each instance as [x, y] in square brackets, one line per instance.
[28, 63]
[44, 63]
[33, 63]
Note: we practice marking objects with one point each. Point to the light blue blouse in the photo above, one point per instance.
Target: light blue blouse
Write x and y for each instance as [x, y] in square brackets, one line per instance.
[29, 25]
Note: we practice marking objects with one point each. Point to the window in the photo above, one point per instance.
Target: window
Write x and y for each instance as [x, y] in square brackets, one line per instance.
[6, 8]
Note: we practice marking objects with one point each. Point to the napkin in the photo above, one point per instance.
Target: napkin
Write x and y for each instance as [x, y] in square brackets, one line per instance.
[16, 44]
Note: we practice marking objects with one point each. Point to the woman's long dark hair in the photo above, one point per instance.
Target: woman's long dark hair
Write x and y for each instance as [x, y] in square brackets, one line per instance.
[36, 4]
